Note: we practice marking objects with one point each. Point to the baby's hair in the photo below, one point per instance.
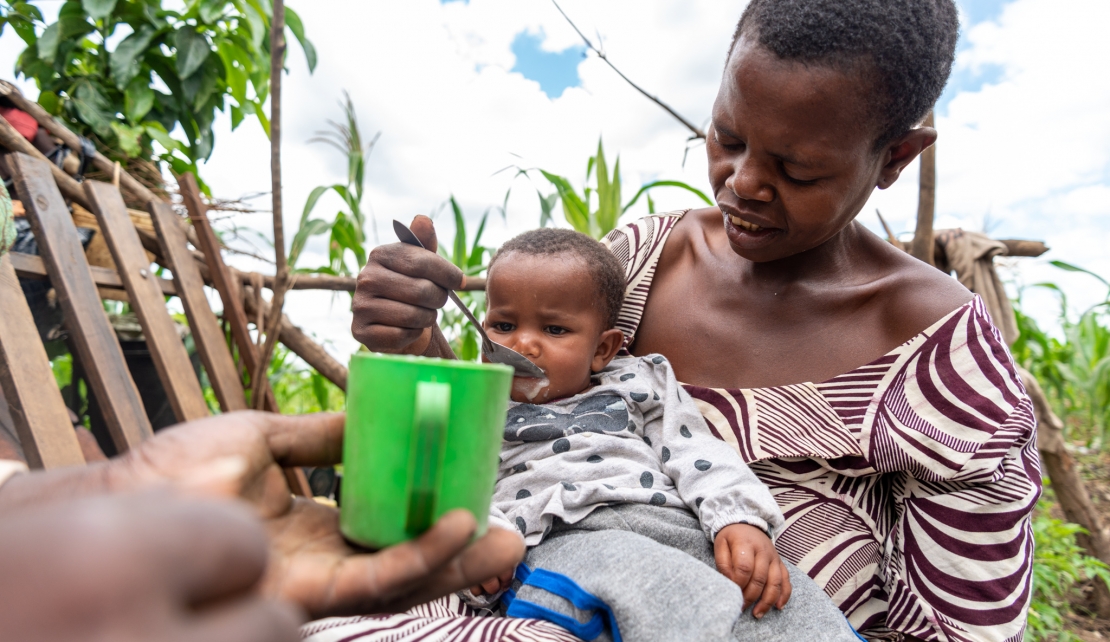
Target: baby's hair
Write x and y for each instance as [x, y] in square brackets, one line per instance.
[604, 268]
[908, 45]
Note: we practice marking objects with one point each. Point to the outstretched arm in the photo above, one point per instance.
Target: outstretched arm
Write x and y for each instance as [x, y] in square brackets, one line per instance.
[241, 455]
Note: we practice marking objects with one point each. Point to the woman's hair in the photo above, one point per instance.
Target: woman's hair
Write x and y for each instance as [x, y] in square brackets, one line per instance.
[906, 46]
[604, 268]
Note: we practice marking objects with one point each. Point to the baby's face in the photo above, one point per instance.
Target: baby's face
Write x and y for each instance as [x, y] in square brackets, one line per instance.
[547, 308]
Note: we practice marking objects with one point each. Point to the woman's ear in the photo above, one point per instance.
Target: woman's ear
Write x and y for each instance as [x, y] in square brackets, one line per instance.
[608, 345]
[901, 152]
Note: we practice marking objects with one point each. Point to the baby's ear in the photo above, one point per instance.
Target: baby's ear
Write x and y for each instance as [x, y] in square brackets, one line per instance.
[608, 345]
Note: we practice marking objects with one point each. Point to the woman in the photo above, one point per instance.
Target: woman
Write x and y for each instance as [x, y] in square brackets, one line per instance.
[870, 391]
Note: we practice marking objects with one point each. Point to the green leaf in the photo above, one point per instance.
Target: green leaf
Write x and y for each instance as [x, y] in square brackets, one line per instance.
[48, 42]
[313, 227]
[1072, 268]
[138, 100]
[192, 50]
[50, 102]
[126, 61]
[98, 9]
[575, 211]
[654, 184]
[313, 197]
[260, 112]
[257, 25]
[157, 132]
[211, 10]
[92, 108]
[320, 391]
[547, 206]
[459, 256]
[128, 138]
[477, 252]
[293, 21]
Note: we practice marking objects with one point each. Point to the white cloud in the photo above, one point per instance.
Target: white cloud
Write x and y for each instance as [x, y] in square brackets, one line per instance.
[1030, 153]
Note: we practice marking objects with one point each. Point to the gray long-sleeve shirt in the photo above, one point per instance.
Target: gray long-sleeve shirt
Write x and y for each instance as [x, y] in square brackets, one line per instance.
[635, 437]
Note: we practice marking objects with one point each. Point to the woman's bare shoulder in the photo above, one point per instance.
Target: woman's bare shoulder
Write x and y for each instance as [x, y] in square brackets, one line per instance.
[916, 295]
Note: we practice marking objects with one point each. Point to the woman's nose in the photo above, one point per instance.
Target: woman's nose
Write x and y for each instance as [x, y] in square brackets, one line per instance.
[749, 180]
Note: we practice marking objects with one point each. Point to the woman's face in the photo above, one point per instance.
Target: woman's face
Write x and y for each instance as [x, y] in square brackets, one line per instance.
[791, 153]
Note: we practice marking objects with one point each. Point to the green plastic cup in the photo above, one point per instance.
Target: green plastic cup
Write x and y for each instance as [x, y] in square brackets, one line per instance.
[422, 439]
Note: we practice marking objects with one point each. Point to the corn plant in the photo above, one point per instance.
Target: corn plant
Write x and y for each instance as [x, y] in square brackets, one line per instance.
[473, 260]
[1075, 371]
[597, 217]
[347, 230]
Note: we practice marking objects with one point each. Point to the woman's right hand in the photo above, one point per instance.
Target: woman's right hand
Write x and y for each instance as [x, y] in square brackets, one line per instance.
[400, 291]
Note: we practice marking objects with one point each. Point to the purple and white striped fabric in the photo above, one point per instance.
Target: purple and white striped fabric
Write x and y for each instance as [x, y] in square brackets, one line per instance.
[445, 620]
[907, 484]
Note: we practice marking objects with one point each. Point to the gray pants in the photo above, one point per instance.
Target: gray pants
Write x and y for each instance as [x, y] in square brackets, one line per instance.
[654, 568]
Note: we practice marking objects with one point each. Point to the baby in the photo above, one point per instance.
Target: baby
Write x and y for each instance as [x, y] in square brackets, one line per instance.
[626, 501]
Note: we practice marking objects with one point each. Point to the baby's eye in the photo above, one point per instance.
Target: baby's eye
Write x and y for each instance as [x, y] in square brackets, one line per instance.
[555, 330]
[503, 327]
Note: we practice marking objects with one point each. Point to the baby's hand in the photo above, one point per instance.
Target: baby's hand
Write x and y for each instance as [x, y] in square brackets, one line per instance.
[746, 556]
[494, 585]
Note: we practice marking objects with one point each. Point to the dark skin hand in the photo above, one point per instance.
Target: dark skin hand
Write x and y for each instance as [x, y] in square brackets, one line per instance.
[812, 294]
[310, 564]
[132, 568]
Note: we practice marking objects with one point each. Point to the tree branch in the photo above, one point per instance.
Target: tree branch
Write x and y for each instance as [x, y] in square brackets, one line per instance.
[281, 284]
[694, 129]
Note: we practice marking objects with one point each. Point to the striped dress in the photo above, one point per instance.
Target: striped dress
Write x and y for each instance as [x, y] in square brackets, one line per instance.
[907, 484]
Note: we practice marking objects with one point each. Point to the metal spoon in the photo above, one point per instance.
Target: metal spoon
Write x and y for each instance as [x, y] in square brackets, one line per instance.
[495, 352]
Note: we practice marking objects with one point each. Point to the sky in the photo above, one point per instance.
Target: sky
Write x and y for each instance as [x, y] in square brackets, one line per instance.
[463, 89]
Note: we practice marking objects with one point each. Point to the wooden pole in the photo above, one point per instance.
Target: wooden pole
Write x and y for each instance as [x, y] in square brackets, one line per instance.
[923, 241]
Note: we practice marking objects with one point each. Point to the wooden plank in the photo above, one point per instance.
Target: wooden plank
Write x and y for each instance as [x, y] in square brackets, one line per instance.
[29, 266]
[233, 305]
[221, 279]
[209, 338]
[86, 320]
[171, 360]
[34, 401]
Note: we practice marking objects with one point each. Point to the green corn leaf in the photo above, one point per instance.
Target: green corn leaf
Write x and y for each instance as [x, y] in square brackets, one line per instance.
[477, 252]
[654, 184]
[313, 197]
[574, 209]
[307, 229]
[547, 206]
[459, 255]
[609, 209]
[1072, 268]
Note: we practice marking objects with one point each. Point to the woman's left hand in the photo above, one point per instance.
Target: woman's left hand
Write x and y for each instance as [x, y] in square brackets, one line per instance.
[746, 556]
